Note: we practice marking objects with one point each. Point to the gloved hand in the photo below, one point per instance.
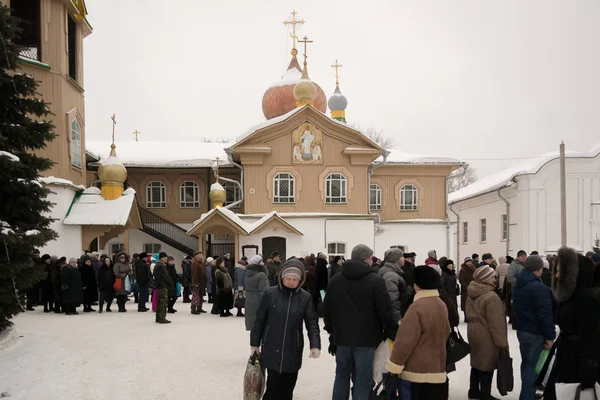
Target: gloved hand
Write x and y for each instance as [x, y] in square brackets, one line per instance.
[254, 350]
[332, 347]
[314, 353]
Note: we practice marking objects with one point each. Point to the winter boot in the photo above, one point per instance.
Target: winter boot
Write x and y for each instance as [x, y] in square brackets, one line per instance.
[30, 308]
[229, 314]
[164, 321]
[486, 393]
[100, 309]
[223, 314]
[240, 313]
[474, 394]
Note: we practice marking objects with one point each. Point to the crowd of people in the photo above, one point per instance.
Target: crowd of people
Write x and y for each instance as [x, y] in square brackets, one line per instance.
[363, 301]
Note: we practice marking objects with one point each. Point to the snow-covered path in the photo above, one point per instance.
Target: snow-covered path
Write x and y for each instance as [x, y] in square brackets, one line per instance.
[127, 356]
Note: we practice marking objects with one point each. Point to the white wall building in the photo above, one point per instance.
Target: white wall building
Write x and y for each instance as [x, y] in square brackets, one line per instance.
[519, 208]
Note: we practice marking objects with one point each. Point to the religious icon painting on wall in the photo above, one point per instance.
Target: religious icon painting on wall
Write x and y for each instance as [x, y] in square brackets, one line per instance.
[307, 142]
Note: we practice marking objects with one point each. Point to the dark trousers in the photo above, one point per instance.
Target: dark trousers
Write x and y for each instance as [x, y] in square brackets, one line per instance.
[481, 382]
[121, 299]
[280, 386]
[105, 297]
[429, 391]
[531, 345]
[57, 306]
[33, 296]
[143, 295]
[355, 362]
[69, 308]
[161, 306]
[186, 294]
[172, 301]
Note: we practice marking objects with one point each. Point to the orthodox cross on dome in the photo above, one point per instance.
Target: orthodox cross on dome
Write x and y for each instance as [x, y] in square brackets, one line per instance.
[217, 170]
[337, 76]
[136, 133]
[293, 22]
[114, 120]
[305, 41]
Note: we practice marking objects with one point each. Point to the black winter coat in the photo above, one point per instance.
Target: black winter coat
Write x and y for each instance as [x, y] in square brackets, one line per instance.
[278, 327]
[88, 278]
[408, 269]
[450, 286]
[56, 282]
[186, 276]
[173, 275]
[71, 285]
[106, 278]
[143, 274]
[46, 284]
[321, 274]
[357, 307]
[161, 276]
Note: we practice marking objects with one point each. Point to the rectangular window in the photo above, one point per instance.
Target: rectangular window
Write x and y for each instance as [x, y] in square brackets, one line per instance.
[336, 249]
[152, 248]
[504, 227]
[116, 248]
[75, 144]
[72, 47]
[465, 232]
[335, 189]
[189, 195]
[283, 188]
[483, 230]
[156, 195]
[375, 197]
[232, 193]
[29, 39]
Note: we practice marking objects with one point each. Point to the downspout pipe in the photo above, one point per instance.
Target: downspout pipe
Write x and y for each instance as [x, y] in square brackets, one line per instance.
[240, 184]
[373, 167]
[448, 223]
[451, 207]
[507, 219]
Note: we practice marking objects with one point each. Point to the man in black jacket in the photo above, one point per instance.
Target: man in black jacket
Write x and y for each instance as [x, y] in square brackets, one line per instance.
[163, 284]
[142, 277]
[358, 315]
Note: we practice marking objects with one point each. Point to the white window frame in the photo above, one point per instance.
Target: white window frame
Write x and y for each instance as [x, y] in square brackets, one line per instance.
[75, 143]
[118, 246]
[483, 230]
[183, 201]
[465, 232]
[338, 247]
[151, 202]
[154, 248]
[291, 182]
[504, 221]
[232, 193]
[330, 180]
[414, 204]
[375, 190]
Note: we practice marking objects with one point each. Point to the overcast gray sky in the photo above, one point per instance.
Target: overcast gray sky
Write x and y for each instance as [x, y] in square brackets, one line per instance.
[469, 79]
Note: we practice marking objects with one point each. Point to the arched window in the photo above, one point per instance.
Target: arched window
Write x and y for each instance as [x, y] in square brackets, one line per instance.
[156, 195]
[75, 144]
[375, 197]
[409, 198]
[284, 188]
[189, 195]
[232, 193]
[335, 189]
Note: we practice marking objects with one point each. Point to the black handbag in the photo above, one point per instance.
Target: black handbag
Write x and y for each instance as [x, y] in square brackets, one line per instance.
[456, 347]
[505, 380]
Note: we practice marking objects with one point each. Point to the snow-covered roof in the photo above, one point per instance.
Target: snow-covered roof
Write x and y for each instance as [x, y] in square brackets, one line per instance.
[400, 157]
[92, 209]
[507, 176]
[247, 227]
[163, 154]
[268, 123]
[52, 180]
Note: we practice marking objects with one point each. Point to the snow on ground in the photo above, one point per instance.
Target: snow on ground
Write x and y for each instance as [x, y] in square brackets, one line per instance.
[127, 356]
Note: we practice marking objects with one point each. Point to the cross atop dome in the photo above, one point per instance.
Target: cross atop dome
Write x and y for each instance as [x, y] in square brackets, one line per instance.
[292, 21]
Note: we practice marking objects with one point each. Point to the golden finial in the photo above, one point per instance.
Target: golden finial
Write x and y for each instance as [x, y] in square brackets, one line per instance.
[305, 41]
[217, 171]
[114, 120]
[337, 76]
[136, 133]
[293, 22]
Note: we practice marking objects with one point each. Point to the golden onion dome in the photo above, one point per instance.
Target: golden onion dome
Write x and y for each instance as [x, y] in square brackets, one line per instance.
[111, 170]
[217, 195]
[305, 91]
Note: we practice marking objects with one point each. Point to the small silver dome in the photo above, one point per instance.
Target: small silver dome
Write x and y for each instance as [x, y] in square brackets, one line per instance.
[338, 101]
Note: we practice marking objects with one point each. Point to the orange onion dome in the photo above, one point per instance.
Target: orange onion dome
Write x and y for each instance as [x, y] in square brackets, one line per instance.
[279, 98]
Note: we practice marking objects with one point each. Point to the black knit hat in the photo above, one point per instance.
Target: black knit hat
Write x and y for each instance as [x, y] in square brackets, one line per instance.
[427, 277]
[162, 255]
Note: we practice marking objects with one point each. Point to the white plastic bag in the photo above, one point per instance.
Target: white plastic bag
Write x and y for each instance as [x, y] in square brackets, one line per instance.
[568, 391]
[127, 284]
[382, 355]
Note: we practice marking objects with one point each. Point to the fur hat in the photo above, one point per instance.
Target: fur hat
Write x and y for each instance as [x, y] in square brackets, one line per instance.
[483, 274]
[209, 260]
[534, 263]
[574, 270]
[361, 252]
[393, 255]
[427, 278]
[143, 255]
[255, 259]
[467, 259]
[432, 254]
[72, 260]
[487, 256]
[46, 257]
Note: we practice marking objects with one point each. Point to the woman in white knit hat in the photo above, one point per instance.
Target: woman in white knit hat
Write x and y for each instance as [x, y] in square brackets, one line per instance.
[277, 331]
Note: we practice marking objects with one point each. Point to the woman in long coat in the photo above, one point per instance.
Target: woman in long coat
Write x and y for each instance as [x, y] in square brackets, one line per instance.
[46, 284]
[278, 331]
[72, 287]
[256, 282]
[486, 331]
[173, 290]
[465, 276]
[224, 288]
[90, 290]
[578, 346]
[106, 280]
[57, 284]
[449, 281]
[122, 269]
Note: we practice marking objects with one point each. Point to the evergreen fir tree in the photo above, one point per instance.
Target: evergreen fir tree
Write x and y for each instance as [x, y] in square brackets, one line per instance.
[24, 220]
